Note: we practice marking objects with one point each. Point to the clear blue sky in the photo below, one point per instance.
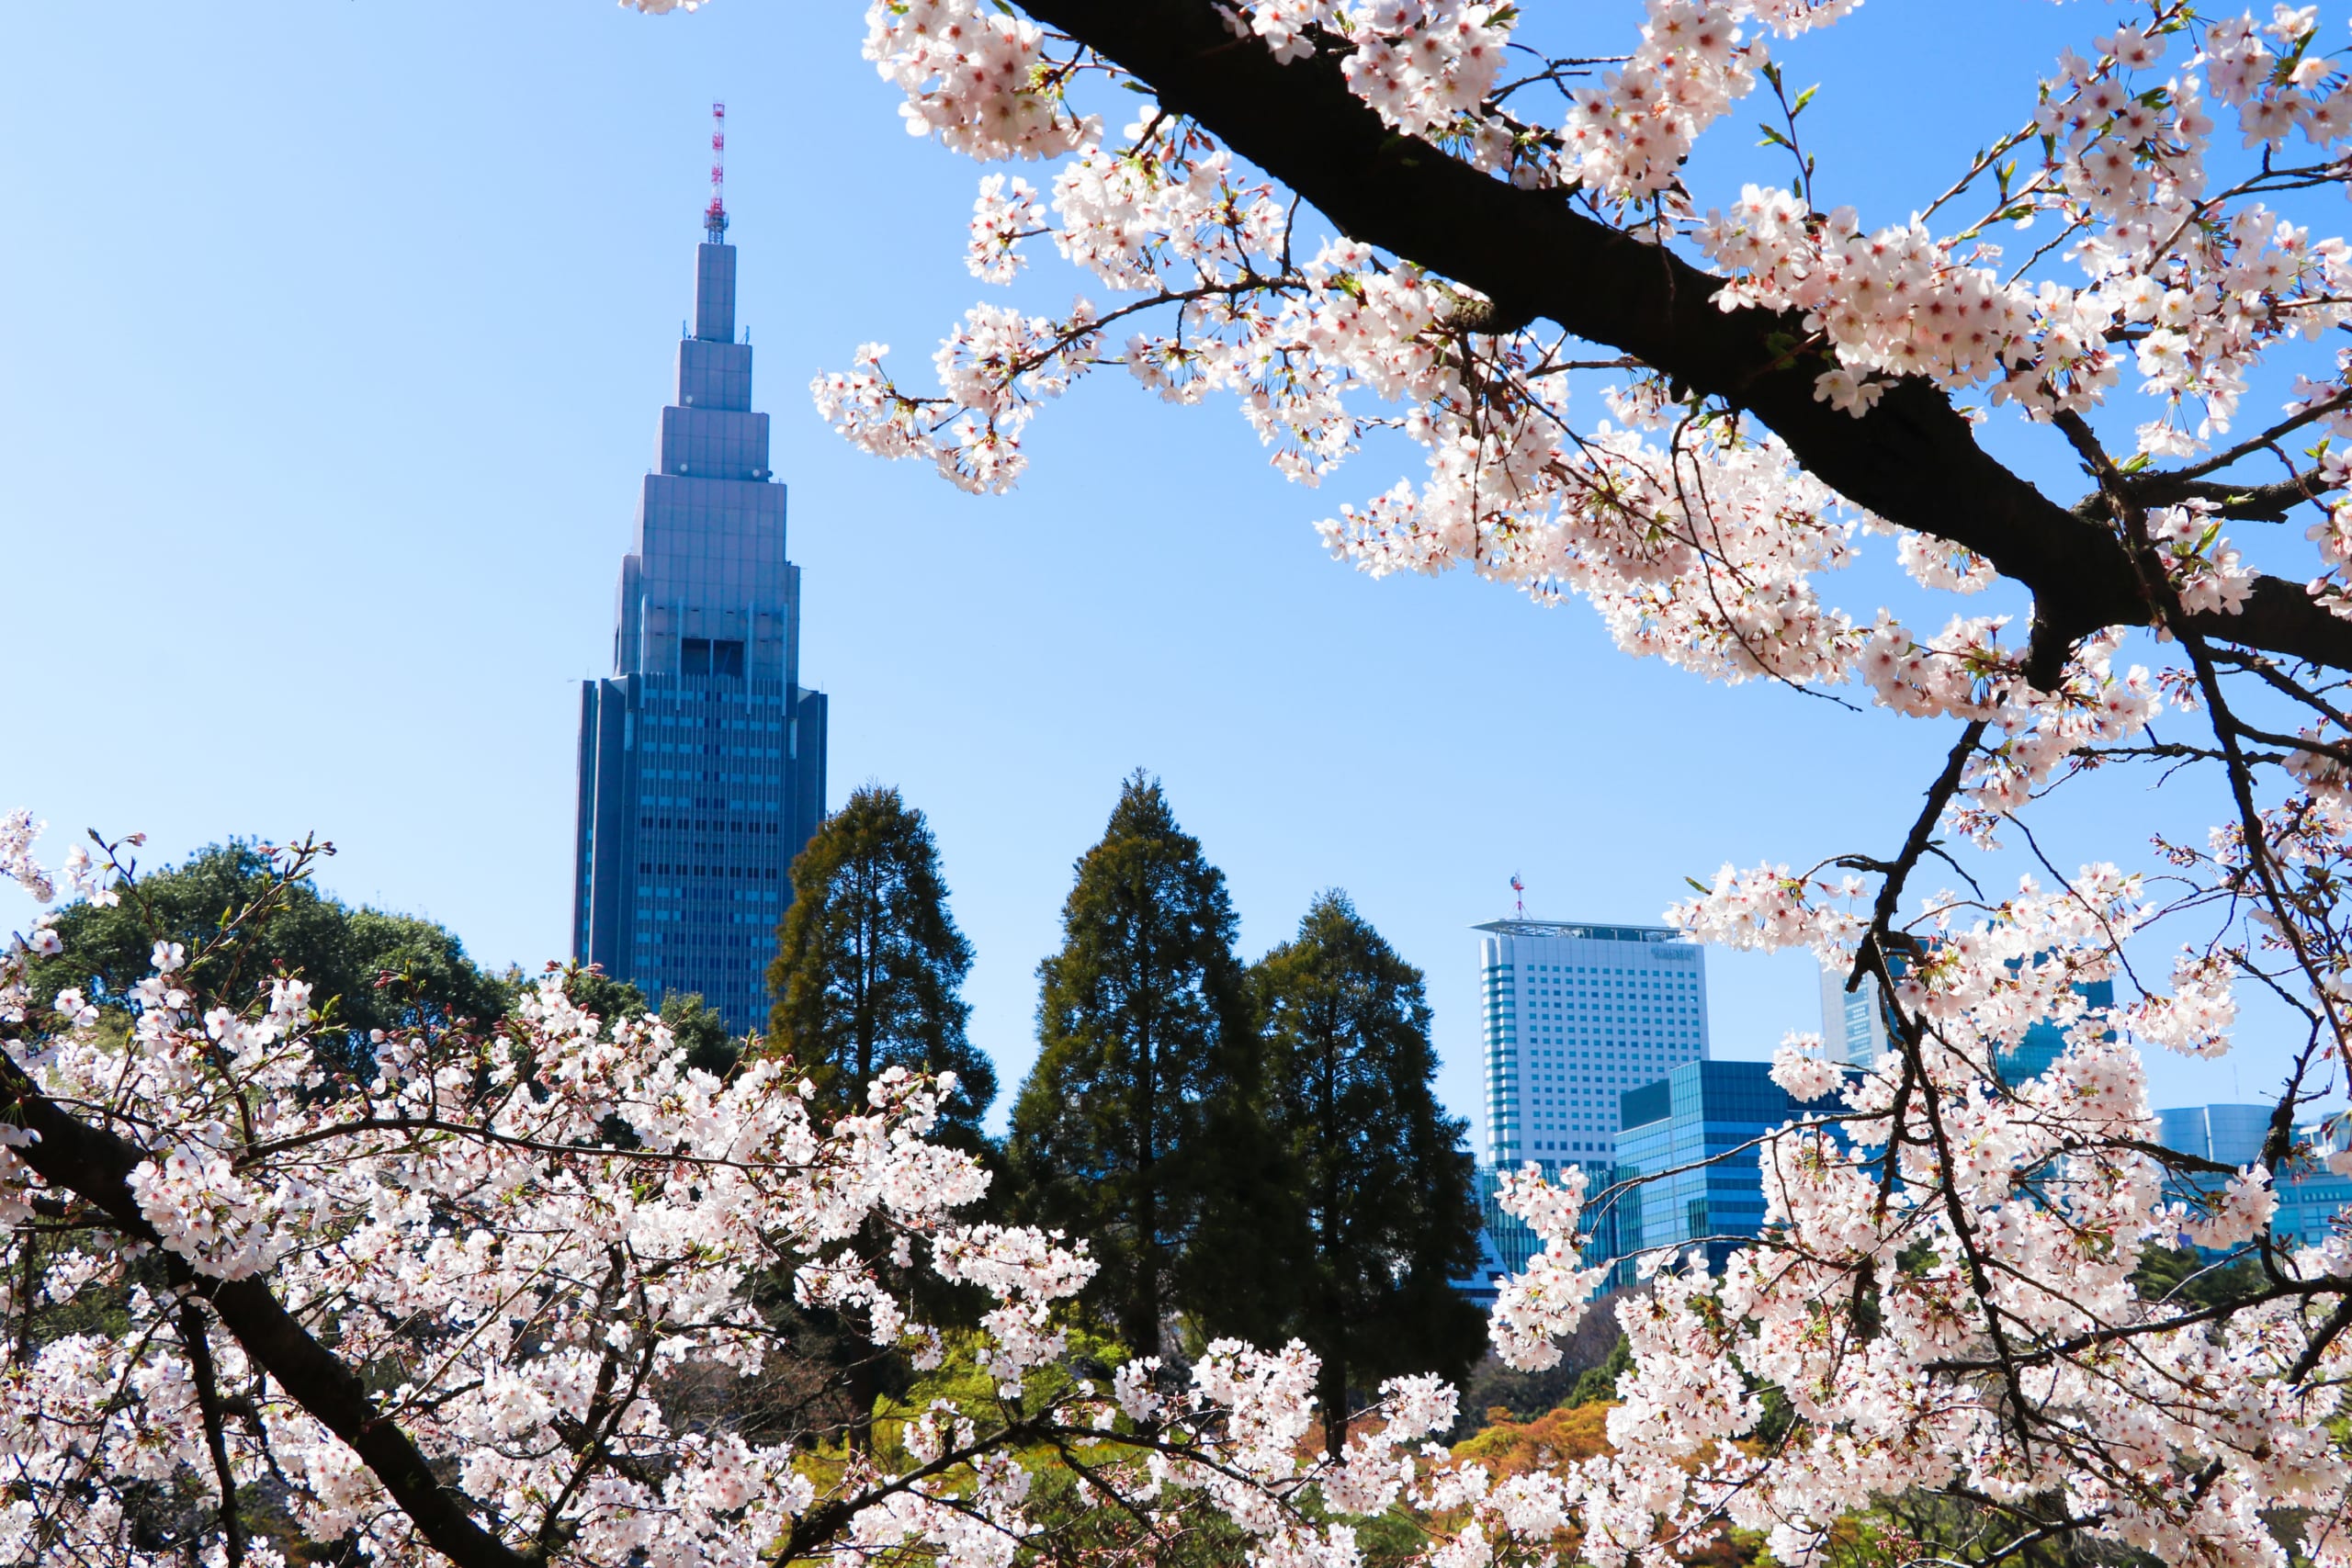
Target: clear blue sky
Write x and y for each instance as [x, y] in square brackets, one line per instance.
[331, 339]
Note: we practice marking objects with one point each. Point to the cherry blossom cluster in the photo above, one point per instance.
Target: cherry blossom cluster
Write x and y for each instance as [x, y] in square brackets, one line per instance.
[1895, 302]
[464, 1228]
[519, 1246]
[1518, 487]
[469, 1173]
[1698, 550]
[1628, 137]
[1000, 367]
[1965, 671]
[2020, 1209]
[975, 76]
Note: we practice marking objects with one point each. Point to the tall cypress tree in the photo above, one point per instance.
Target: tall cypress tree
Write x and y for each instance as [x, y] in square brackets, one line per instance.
[1390, 1205]
[1146, 1062]
[868, 975]
[869, 968]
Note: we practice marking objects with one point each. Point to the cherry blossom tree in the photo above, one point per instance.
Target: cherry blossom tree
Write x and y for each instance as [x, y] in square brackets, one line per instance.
[458, 1312]
[439, 1313]
[1414, 216]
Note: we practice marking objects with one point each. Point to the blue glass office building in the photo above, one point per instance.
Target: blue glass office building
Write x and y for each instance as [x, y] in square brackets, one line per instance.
[702, 758]
[1857, 1028]
[2310, 1196]
[1686, 1161]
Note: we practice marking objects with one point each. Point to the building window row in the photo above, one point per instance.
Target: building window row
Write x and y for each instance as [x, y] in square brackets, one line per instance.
[768, 873]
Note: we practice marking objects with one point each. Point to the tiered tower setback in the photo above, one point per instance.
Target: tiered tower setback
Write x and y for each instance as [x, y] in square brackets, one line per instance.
[702, 760]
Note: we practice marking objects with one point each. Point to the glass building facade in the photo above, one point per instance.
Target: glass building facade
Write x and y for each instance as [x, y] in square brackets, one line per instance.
[1685, 1158]
[1574, 1015]
[2310, 1196]
[2230, 1134]
[702, 758]
[1855, 1024]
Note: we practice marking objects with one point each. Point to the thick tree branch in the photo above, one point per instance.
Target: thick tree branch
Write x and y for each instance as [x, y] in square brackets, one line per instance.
[2269, 504]
[197, 1340]
[96, 1165]
[1912, 459]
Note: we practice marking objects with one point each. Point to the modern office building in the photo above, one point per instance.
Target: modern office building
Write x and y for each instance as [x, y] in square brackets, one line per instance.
[702, 758]
[1854, 1025]
[2045, 1040]
[2310, 1196]
[1575, 1014]
[1688, 1169]
[2229, 1134]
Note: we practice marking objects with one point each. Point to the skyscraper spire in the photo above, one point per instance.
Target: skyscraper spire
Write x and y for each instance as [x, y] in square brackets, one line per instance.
[702, 758]
[714, 217]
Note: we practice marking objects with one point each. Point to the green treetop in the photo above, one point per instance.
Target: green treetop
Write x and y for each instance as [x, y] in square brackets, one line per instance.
[868, 975]
[1145, 1072]
[367, 969]
[869, 969]
[1386, 1184]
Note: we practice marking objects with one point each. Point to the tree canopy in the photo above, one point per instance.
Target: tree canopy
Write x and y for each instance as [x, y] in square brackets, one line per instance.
[1145, 1083]
[869, 967]
[367, 969]
[1382, 1172]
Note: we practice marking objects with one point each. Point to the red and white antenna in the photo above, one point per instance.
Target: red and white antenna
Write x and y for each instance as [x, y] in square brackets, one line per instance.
[714, 217]
[1520, 888]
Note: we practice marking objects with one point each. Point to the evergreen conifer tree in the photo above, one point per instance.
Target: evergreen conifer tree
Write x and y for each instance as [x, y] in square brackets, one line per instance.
[869, 969]
[1386, 1185]
[868, 975]
[1144, 1087]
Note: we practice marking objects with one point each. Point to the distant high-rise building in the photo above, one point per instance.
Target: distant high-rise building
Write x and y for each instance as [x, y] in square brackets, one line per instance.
[1687, 1162]
[2228, 1134]
[1575, 1016]
[702, 760]
[2045, 1042]
[2311, 1198]
[1854, 1025]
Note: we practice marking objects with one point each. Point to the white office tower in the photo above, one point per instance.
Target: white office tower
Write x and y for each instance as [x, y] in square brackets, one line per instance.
[1575, 1016]
[1853, 1024]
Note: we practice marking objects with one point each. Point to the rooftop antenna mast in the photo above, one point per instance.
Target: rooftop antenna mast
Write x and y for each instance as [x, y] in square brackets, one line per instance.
[1519, 890]
[714, 217]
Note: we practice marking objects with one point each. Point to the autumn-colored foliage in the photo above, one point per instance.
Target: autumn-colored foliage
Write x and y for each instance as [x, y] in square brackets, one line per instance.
[1558, 1436]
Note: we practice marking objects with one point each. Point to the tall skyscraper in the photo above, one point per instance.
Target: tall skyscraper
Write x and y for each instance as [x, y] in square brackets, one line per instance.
[702, 760]
[1575, 1016]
